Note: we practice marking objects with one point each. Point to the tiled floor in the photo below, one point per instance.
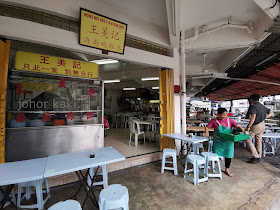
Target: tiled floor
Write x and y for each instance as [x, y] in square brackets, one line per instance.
[119, 139]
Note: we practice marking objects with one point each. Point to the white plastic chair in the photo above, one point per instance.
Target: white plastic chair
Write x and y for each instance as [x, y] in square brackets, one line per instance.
[66, 205]
[203, 124]
[134, 128]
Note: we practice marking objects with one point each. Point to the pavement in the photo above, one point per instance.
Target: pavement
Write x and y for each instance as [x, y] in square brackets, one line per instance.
[254, 186]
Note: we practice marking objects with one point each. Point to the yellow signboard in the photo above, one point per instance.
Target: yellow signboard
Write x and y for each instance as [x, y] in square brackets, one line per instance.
[102, 32]
[55, 65]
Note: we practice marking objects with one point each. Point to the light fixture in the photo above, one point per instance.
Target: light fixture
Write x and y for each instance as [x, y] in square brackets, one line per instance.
[111, 81]
[104, 61]
[129, 88]
[139, 99]
[155, 88]
[149, 78]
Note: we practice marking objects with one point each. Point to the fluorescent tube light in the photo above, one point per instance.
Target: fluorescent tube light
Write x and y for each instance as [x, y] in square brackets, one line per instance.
[104, 61]
[111, 81]
[150, 78]
[155, 88]
[129, 88]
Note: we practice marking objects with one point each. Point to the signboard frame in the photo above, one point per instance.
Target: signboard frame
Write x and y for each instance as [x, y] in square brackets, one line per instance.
[124, 44]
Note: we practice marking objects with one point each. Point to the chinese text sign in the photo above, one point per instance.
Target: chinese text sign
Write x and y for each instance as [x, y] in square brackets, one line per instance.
[101, 32]
[55, 65]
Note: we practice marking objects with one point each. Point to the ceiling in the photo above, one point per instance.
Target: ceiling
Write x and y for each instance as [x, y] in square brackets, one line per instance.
[261, 64]
[215, 12]
[149, 11]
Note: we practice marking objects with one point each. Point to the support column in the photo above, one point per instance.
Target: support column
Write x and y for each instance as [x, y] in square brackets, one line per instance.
[4, 62]
[183, 82]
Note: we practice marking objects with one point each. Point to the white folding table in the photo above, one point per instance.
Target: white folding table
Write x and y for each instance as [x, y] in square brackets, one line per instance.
[185, 138]
[21, 171]
[78, 161]
[269, 139]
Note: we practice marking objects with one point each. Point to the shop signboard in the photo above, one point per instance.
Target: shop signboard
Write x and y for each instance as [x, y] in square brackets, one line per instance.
[101, 32]
[55, 65]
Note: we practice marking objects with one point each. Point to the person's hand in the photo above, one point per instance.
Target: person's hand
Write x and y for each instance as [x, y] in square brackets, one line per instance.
[206, 134]
[246, 132]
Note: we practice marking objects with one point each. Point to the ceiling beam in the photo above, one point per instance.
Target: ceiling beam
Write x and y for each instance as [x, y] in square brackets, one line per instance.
[173, 19]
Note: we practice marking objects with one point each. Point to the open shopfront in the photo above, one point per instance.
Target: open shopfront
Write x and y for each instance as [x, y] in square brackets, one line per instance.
[54, 105]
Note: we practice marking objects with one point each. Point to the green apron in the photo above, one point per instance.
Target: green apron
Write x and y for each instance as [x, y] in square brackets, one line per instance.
[221, 146]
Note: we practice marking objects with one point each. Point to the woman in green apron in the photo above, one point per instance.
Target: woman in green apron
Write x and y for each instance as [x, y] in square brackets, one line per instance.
[221, 146]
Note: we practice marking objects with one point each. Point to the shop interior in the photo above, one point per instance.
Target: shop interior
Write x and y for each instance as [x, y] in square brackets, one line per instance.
[130, 91]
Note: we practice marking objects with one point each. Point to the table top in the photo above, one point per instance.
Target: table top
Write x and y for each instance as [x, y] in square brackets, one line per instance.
[271, 135]
[197, 128]
[273, 128]
[71, 162]
[270, 124]
[194, 121]
[148, 122]
[185, 137]
[22, 171]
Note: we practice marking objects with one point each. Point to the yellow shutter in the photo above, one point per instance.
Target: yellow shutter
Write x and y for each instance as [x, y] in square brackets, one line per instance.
[4, 62]
[166, 107]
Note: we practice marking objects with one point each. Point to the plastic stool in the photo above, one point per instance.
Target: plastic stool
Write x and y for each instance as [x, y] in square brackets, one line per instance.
[104, 175]
[210, 146]
[212, 157]
[196, 146]
[169, 152]
[66, 205]
[38, 191]
[113, 197]
[197, 162]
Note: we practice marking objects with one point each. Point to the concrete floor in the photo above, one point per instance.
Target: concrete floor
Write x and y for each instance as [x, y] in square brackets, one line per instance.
[252, 187]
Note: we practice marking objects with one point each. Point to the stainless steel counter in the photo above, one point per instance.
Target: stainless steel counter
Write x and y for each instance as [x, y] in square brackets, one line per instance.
[27, 143]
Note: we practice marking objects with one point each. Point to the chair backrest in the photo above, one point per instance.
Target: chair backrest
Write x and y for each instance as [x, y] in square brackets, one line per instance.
[132, 118]
[203, 124]
[131, 126]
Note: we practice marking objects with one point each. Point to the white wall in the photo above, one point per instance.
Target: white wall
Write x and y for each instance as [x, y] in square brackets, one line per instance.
[23, 30]
[71, 8]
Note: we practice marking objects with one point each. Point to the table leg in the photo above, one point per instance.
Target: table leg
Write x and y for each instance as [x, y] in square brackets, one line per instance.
[87, 188]
[6, 196]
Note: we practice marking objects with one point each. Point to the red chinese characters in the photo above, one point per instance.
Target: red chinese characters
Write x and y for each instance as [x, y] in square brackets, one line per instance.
[44, 59]
[87, 40]
[20, 117]
[93, 29]
[61, 62]
[26, 66]
[47, 117]
[105, 33]
[89, 115]
[115, 35]
[62, 83]
[75, 73]
[19, 89]
[91, 92]
[54, 70]
[68, 71]
[70, 116]
[36, 68]
[76, 64]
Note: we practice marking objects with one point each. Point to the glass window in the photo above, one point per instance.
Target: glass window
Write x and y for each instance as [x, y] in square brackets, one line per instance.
[47, 100]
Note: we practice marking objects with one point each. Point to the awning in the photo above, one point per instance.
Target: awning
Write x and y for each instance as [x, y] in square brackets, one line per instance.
[243, 89]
